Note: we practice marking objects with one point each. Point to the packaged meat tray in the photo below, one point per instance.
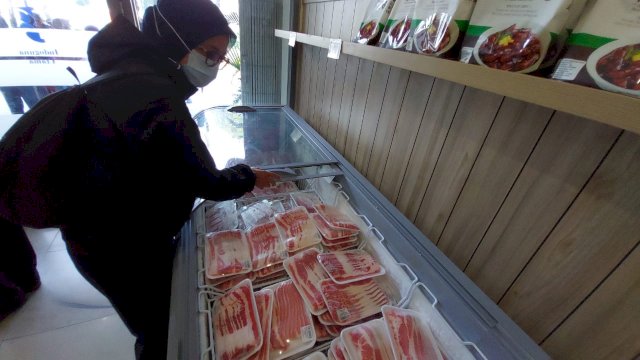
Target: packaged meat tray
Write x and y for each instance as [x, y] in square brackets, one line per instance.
[348, 303]
[291, 323]
[344, 246]
[280, 188]
[368, 341]
[298, 229]
[338, 351]
[411, 337]
[227, 253]
[336, 218]
[264, 303]
[265, 272]
[350, 265]
[306, 199]
[221, 216]
[322, 334]
[259, 213]
[267, 248]
[330, 233]
[341, 241]
[236, 324]
[306, 273]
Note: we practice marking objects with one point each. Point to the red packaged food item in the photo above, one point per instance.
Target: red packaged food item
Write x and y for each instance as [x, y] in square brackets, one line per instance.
[322, 334]
[330, 233]
[410, 335]
[374, 20]
[439, 26]
[396, 30]
[236, 324]
[266, 246]
[348, 303]
[306, 199]
[344, 246]
[336, 218]
[291, 323]
[604, 49]
[337, 350]
[350, 265]
[280, 188]
[264, 304]
[221, 216]
[298, 229]
[227, 253]
[516, 39]
[368, 341]
[264, 272]
[340, 241]
[230, 282]
[306, 274]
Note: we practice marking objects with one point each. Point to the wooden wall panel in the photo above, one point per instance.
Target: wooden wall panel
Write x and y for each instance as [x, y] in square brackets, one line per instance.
[436, 122]
[333, 120]
[513, 135]
[613, 308]
[386, 168]
[596, 233]
[562, 162]
[540, 209]
[363, 135]
[371, 160]
[470, 126]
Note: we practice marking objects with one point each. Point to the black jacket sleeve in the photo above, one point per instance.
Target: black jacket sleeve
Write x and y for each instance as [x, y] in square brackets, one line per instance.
[207, 181]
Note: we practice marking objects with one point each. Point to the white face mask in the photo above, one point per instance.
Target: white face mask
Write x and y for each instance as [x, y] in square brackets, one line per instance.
[196, 69]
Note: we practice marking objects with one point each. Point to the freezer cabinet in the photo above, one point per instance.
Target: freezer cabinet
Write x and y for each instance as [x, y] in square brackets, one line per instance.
[466, 323]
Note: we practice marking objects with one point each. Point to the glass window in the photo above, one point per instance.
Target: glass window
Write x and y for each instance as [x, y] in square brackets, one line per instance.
[39, 39]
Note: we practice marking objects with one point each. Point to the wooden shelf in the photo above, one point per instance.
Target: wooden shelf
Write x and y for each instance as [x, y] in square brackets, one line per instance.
[606, 107]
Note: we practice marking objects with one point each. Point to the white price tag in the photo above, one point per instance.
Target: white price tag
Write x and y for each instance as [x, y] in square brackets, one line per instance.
[568, 69]
[335, 47]
[292, 39]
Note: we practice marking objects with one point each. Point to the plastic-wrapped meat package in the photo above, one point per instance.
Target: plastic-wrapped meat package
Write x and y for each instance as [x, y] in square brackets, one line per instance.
[280, 188]
[221, 216]
[348, 303]
[338, 351]
[341, 241]
[291, 323]
[257, 213]
[236, 325]
[306, 274]
[264, 303]
[336, 218]
[315, 356]
[229, 282]
[350, 265]
[307, 199]
[410, 335]
[298, 229]
[264, 272]
[344, 246]
[373, 21]
[368, 341]
[330, 233]
[227, 253]
[322, 334]
[266, 246]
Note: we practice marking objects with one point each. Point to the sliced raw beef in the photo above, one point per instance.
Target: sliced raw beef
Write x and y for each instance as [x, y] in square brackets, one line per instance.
[298, 229]
[307, 199]
[368, 341]
[227, 253]
[330, 233]
[291, 323]
[236, 324]
[336, 218]
[322, 334]
[338, 350]
[264, 303]
[266, 246]
[306, 273]
[411, 337]
[350, 265]
[348, 303]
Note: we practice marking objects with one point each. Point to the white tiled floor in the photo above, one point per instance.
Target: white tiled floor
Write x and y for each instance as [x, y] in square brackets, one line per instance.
[66, 318]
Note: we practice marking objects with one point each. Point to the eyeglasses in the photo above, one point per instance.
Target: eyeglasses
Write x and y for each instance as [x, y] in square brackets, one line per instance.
[214, 58]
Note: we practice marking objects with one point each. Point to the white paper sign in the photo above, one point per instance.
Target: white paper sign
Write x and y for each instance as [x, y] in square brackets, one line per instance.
[292, 39]
[335, 47]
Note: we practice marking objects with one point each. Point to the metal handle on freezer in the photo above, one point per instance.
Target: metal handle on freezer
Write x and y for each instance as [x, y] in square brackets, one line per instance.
[474, 348]
[345, 195]
[377, 234]
[428, 294]
[366, 221]
[409, 271]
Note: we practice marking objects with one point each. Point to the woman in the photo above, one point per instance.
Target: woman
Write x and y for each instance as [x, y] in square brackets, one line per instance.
[148, 162]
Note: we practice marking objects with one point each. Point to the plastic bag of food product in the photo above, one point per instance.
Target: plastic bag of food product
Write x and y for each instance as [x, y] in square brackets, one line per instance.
[438, 27]
[513, 35]
[396, 31]
[373, 21]
[604, 49]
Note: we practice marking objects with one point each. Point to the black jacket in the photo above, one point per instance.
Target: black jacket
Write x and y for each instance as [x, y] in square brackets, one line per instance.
[148, 163]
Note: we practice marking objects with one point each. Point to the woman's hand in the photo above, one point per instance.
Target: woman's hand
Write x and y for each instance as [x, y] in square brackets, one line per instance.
[265, 178]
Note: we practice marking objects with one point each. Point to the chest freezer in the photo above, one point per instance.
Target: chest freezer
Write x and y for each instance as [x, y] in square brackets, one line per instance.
[415, 276]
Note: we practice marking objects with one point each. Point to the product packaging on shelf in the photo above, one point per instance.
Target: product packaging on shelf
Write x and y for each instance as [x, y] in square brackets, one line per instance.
[604, 49]
[396, 31]
[373, 21]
